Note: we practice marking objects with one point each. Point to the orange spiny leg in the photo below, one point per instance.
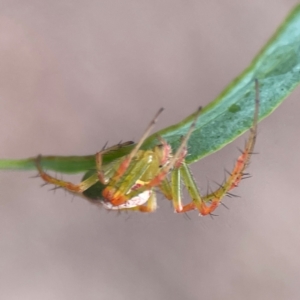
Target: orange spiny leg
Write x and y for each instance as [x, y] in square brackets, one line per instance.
[133, 183]
[176, 160]
[74, 188]
[126, 162]
[171, 189]
[130, 169]
[101, 176]
[232, 181]
[124, 189]
[192, 188]
[82, 186]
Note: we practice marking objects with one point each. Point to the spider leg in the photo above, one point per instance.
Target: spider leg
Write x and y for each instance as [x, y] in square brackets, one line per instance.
[176, 159]
[166, 189]
[74, 188]
[192, 189]
[125, 188]
[118, 189]
[171, 189]
[100, 154]
[232, 181]
[126, 162]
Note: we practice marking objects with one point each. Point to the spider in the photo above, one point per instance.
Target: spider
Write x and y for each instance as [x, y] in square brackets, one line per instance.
[130, 182]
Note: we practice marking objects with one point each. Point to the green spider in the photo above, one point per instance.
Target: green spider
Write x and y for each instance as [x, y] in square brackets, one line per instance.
[130, 182]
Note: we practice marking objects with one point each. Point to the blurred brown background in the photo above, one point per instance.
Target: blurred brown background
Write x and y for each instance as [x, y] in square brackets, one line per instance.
[74, 74]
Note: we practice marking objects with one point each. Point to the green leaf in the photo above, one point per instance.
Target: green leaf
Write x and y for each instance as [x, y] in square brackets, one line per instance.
[63, 164]
[277, 68]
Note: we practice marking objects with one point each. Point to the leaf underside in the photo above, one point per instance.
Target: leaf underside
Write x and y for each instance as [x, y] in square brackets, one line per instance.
[277, 68]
